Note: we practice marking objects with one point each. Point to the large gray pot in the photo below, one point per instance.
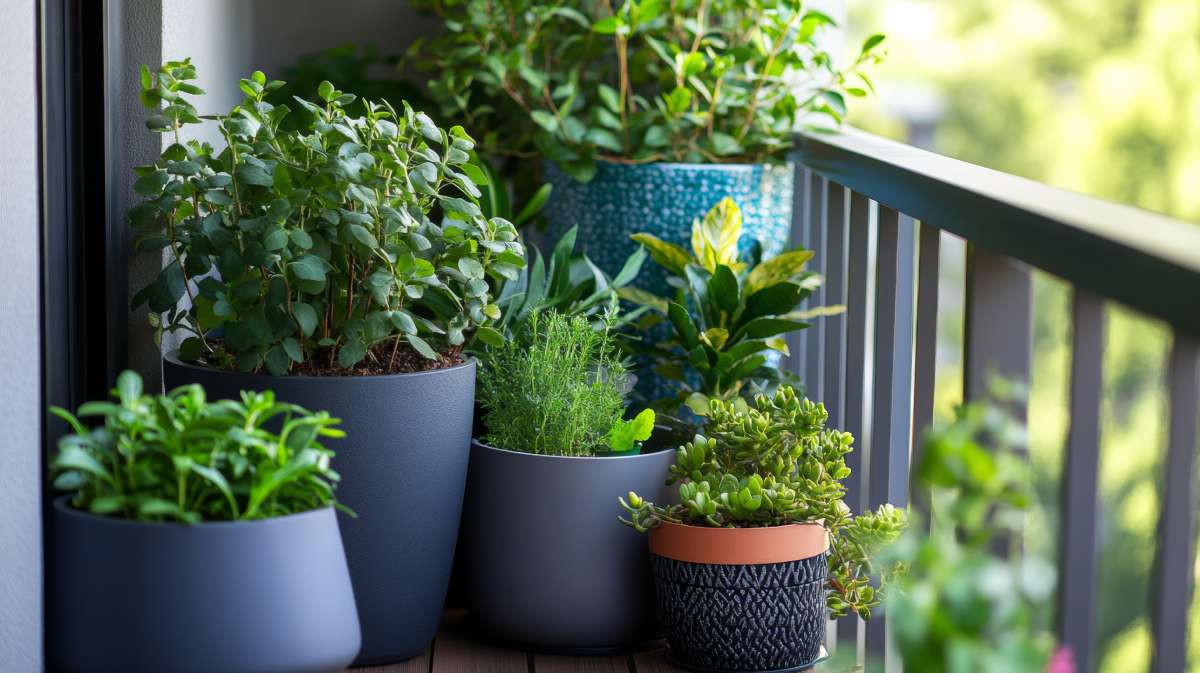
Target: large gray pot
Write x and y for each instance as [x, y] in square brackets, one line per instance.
[403, 464]
[235, 597]
[550, 568]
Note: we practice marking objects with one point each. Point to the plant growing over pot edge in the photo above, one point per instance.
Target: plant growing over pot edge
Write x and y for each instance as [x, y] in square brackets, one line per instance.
[771, 465]
[321, 236]
[181, 457]
[698, 81]
[729, 315]
[558, 388]
[178, 487]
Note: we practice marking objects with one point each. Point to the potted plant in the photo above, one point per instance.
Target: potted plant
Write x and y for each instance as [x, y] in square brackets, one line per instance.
[761, 549]
[728, 313]
[310, 265]
[546, 568]
[197, 540]
[644, 111]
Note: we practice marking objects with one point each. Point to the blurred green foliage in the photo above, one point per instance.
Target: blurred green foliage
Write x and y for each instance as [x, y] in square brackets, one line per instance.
[1097, 96]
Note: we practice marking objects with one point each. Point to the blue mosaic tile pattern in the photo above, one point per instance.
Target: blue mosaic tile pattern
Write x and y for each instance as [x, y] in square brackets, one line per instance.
[663, 199]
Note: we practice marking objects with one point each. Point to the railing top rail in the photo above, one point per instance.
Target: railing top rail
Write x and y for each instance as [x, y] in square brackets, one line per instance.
[1148, 261]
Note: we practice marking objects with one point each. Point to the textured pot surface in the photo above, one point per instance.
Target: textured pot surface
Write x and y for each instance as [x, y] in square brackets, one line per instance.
[549, 565]
[236, 597]
[403, 464]
[743, 616]
[663, 199]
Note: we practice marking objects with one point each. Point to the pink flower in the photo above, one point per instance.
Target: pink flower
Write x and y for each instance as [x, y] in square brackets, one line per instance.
[1062, 661]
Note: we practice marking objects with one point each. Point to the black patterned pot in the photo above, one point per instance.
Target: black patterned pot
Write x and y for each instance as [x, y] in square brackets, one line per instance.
[549, 568]
[403, 464]
[230, 596]
[741, 599]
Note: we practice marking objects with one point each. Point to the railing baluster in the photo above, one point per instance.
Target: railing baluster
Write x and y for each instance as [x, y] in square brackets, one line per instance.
[1174, 564]
[999, 323]
[891, 429]
[854, 413]
[925, 365]
[834, 326]
[798, 341]
[815, 350]
[1081, 469]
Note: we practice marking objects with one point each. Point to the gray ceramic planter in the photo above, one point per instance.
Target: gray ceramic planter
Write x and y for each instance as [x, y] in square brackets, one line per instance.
[550, 568]
[403, 464]
[235, 597]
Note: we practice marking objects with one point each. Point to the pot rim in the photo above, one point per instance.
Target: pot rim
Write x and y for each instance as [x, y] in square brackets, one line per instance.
[63, 505]
[683, 165]
[172, 356]
[631, 456]
[738, 546]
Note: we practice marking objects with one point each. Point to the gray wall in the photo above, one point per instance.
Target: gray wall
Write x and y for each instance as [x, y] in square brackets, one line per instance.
[20, 375]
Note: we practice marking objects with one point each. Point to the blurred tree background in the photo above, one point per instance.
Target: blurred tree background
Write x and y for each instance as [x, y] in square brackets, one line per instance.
[1096, 96]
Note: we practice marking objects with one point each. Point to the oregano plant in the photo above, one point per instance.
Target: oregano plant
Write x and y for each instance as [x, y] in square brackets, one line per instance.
[639, 80]
[316, 249]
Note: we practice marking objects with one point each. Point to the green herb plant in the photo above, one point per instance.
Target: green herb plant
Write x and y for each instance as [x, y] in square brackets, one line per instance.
[180, 457]
[325, 252]
[729, 313]
[638, 81]
[965, 607]
[775, 463]
[558, 388]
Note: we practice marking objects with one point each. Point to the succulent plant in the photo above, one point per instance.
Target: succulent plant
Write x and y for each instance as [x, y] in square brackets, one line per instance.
[773, 463]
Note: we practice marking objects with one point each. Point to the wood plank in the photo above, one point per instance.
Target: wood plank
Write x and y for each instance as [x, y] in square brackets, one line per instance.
[655, 661]
[814, 365]
[925, 359]
[834, 386]
[418, 664]
[553, 663]
[458, 650]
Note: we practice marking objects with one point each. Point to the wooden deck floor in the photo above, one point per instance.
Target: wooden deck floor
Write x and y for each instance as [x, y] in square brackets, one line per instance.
[457, 650]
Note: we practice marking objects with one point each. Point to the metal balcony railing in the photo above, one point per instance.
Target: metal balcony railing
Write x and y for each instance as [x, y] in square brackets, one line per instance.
[867, 205]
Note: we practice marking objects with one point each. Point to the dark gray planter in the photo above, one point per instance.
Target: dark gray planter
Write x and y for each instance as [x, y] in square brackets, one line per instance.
[235, 597]
[403, 465]
[549, 566]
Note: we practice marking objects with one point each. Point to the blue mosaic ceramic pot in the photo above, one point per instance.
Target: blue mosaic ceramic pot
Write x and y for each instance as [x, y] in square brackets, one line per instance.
[663, 199]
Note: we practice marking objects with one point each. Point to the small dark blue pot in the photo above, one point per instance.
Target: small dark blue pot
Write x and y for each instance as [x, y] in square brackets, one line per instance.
[550, 568]
[663, 199]
[403, 464]
[235, 597]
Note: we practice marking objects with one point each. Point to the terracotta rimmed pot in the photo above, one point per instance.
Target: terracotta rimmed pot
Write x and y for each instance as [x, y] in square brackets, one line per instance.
[403, 464]
[236, 597]
[548, 566]
[741, 599]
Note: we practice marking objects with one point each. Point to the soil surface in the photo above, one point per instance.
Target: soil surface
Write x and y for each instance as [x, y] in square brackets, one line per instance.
[380, 360]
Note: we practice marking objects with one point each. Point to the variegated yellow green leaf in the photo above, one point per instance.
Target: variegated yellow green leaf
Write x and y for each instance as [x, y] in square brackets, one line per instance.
[643, 298]
[815, 312]
[715, 238]
[715, 337]
[670, 256]
[778, 269]
[779, 344]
